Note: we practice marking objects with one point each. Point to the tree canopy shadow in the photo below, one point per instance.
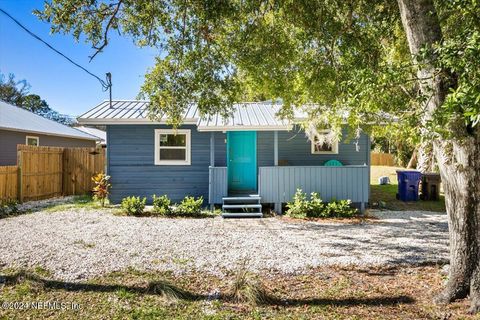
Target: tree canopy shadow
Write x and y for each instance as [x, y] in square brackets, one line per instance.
[163, 287]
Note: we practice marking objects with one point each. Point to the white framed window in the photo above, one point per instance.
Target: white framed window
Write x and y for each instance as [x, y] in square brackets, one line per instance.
[324, 148]
[32, 141]
[172, 147]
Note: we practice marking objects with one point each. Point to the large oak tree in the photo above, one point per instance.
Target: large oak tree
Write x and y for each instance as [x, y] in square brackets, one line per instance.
[414, 61]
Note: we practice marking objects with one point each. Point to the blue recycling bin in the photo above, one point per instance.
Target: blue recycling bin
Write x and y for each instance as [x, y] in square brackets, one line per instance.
[408, 182]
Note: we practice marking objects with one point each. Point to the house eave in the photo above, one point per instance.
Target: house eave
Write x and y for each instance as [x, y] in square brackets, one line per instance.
[50, 134]
[244, 128]
[127, 121]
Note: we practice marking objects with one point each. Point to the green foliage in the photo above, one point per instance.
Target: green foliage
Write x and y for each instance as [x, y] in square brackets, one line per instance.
[8, 207]
[101, 188]
[335, 57]
[340, 208]
[299, 207]
[302, 208]
[133, 205]
[161, 205]
[190, 207]
[316, 207]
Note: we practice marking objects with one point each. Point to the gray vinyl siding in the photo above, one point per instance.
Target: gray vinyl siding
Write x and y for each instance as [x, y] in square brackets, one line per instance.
[130, 157]
[10, 139]
[295, 148]
[131, 164]
[265, 145]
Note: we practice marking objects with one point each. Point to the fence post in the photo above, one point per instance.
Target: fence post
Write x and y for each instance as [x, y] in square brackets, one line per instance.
[19, 175]
[64, 193]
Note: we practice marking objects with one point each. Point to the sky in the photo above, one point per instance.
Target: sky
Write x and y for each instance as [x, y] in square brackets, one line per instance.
[65, 87]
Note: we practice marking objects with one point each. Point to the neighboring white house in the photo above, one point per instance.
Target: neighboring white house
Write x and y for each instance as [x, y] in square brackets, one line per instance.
[102, 135]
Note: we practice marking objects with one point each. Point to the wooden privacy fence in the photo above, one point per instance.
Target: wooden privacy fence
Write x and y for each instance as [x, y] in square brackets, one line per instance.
[40, 172]
[45, 172]
[79, 165]
[382, 159]
[8, 182]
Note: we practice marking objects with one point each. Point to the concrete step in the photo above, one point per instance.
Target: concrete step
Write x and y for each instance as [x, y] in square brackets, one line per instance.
[255, 198]
[242, 214]
[242, 206]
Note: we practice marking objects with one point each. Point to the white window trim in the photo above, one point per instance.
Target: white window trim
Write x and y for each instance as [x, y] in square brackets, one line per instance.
[334, 146]
[32, 137]
[188, 148]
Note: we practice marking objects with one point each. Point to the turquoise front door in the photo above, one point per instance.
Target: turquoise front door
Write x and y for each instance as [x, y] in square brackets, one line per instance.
[242, 161]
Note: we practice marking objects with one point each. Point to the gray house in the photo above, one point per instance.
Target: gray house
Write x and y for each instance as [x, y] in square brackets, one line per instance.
[19, 126]
[250, 159]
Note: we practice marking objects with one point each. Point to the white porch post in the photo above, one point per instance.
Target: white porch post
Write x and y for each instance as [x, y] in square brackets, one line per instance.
[277, 205]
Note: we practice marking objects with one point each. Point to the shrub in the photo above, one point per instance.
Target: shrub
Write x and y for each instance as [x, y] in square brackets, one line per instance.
[190, 207]
[340, 208]
[101, 189]
[316, 207]
[8, 207]
[161, 205]
[299, 207]
[133, 205]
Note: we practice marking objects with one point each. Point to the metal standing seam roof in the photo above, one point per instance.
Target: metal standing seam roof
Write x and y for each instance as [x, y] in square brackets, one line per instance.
[100, 134]
[246, 116]
[18, 119]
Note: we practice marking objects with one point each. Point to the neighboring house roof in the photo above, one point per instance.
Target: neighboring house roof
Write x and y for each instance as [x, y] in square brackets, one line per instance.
[18, 119]
[100, 134]
[246, 116]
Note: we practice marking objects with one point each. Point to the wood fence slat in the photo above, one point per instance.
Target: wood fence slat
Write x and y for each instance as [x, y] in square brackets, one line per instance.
[8, 182]
[382, 159]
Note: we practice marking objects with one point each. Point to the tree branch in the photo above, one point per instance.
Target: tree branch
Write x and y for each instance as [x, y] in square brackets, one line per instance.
[107, 29]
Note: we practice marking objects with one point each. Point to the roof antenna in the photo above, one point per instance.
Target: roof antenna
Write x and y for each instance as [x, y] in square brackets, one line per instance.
[109, 85]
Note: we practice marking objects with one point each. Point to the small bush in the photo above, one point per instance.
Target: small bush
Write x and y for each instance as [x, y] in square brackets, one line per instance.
[298, 208]
[133, 205]
[102, 186]
[161, 205]
[8, 207]
[190, 206]
[316, 207]
[340, 208]
[302, 208]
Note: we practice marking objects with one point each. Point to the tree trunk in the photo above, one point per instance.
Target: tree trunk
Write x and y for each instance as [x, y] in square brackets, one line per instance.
[458, 158]
[425, 157]
[412, 163]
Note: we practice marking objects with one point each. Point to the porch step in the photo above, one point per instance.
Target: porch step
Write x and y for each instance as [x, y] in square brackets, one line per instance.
[242, 206]
[242, 214]
[255, 198]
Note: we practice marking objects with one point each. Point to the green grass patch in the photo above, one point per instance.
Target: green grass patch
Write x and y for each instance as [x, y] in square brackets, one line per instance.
[83, 202]
[79, 202]
[385, 196]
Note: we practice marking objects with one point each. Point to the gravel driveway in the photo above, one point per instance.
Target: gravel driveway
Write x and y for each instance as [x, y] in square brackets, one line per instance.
[76, 245]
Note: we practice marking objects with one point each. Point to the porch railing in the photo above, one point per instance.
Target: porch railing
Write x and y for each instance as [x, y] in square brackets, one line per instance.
[217, 184]
[278, 184]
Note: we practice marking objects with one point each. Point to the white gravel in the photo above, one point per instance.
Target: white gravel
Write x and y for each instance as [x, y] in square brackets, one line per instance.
[77, 245]
[40, 204]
